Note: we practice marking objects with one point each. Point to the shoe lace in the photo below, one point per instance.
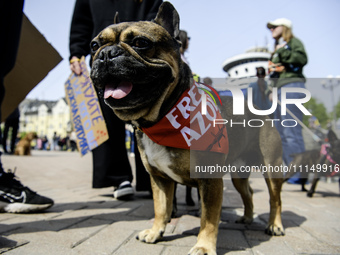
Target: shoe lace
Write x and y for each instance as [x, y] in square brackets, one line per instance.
[15, 182]
[9, 171]
[11, 177]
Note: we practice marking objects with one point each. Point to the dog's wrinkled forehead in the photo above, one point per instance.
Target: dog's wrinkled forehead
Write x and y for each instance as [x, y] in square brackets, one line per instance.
[128, 31]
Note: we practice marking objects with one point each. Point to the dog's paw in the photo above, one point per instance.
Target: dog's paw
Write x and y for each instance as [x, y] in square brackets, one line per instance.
[244, 220]
[310, 194]
[149, 236]
[274, 230]
[201, 251]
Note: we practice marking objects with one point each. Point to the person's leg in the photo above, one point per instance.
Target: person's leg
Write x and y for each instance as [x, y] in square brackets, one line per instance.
[14, 197]
[132, 142]
[293, 135]
[2, 93]
[142, 176]
[293, 139]
[10, 28]
[5, 136]
[15, 128]
[111, 166]
[278, 120]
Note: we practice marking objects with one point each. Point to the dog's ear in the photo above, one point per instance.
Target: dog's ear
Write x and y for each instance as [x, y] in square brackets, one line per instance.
[168, 18]
[331, 136]
[116, 19]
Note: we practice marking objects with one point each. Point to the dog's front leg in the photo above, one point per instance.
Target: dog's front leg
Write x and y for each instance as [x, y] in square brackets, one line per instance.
[211, 191]
[274, 184]
[163, 191]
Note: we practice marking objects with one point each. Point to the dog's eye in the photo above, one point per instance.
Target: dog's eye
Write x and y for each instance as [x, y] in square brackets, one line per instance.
[94, 46]
[142, 43]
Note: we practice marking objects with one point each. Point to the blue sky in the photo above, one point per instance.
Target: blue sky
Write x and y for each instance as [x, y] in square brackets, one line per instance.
[219, 29]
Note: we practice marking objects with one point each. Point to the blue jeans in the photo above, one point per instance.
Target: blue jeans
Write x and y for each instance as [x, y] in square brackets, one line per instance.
[291, 137]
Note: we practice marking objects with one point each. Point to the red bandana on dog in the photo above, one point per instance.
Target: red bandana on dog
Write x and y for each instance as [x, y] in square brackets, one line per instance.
[186, 127]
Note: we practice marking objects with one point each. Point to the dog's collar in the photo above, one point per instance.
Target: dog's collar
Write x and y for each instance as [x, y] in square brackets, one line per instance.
[185, 127]
[324, 151]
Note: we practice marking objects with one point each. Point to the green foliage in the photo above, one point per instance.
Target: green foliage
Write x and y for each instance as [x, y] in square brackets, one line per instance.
[337, 109]
[22, 134]
[318, 110]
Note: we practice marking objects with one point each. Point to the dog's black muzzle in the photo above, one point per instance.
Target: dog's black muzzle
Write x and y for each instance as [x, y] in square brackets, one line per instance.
[109, 53]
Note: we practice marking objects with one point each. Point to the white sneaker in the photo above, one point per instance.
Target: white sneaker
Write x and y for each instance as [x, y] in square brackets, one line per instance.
[124, 191]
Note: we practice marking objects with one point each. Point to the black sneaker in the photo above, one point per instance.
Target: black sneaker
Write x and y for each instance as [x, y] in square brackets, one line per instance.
[16, 198]
[124, 191]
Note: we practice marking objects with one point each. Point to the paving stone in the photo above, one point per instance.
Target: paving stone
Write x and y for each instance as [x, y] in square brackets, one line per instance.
[231, 240]
[271, 246]
[90, 221]
[42, 249]
[107, 240]
[257, 236]
[133, 224]
[143, 209]
[49, 225]
[80, 232]
[178, 240]
[9, 244]
[176, 250]
[134, 246]
[188, 225]
[238, 252]
[326, 234]
[37, 237]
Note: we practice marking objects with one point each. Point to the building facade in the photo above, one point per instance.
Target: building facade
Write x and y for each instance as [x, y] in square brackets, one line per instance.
[45, 118]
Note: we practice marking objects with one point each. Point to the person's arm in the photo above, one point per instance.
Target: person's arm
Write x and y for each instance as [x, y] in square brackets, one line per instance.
[80, 34]
[293, 54]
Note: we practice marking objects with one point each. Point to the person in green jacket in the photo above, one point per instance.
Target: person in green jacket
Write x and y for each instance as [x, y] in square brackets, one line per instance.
[286, 67]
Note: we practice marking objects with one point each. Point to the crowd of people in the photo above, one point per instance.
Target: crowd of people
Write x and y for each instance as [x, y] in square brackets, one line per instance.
[57, 143]
[10, 138]
[286, 70]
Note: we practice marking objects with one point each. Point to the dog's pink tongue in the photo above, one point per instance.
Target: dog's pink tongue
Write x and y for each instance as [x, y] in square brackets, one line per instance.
[118, 92]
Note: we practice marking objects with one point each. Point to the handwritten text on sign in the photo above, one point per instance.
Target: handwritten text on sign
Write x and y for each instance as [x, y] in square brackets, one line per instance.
[86, 115]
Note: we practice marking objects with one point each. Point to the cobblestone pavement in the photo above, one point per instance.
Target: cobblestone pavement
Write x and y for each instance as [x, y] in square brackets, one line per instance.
[90, 221]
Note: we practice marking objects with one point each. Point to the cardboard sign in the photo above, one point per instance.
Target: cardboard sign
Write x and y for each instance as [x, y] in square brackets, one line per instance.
[86, 115]
[35, 59]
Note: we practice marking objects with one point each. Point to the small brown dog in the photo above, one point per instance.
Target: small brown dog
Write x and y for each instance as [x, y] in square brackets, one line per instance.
[23, 147]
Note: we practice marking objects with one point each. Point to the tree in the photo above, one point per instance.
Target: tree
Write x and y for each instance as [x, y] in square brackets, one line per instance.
[318, 110]
[337, 109]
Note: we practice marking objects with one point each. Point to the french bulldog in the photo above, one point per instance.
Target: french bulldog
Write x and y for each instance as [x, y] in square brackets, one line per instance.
[138, 66]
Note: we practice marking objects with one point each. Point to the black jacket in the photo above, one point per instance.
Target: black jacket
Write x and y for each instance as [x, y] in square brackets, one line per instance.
[92, 16]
